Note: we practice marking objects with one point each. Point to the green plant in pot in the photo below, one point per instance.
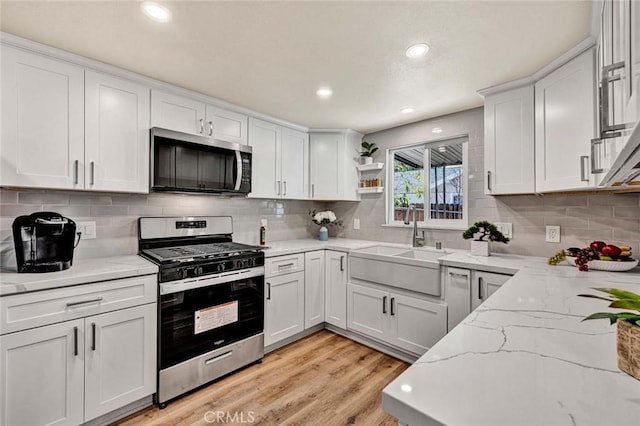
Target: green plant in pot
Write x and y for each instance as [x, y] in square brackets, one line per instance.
[482, 233]
[368, 149]
[628, 326]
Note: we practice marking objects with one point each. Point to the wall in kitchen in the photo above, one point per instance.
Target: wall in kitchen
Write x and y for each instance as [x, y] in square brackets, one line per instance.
[116, 216]
[582, 217]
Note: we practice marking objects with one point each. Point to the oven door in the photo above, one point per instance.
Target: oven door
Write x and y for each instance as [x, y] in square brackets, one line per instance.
[201, 315]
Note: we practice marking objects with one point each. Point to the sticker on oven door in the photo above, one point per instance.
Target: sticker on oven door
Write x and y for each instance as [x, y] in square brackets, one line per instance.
[216, 316]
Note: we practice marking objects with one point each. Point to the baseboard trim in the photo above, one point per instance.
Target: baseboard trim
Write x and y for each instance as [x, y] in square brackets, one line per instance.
[295, 337]
[121, 412]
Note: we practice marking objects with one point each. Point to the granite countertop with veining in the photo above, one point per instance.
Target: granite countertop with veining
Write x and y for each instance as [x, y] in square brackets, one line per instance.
[82, 271]
[524, 357]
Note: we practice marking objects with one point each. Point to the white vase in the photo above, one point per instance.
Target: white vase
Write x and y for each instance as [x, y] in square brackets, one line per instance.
[480, 248]
[367, 160]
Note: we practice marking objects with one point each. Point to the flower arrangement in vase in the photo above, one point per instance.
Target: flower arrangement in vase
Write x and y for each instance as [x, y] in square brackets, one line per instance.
[482, 233]
[323, 219]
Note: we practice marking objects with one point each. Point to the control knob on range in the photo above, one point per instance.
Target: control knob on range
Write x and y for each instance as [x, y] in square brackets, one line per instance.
[221, 267]
[183, 273]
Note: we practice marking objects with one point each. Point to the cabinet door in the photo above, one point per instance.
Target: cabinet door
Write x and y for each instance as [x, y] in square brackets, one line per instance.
[284, 307]
[335, 311]
[415, 324]
[177, 113]
[326, 162]
[458, 295]
[42, 375]
[295, 164]
[120, 358]
[116, 134]
[313, 288]
[367, 310]
[565, 125]
[509, 142]
[265, 139]
[42, 121]
[484, 284]
[226, 125]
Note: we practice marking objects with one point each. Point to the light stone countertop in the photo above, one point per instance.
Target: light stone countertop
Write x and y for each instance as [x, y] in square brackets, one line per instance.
[83, 271]
[282, 248]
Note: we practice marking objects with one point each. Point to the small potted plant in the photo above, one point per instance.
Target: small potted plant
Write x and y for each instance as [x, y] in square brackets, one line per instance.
[368, 149]
[628, 326]
[482, 233]
[323, 219]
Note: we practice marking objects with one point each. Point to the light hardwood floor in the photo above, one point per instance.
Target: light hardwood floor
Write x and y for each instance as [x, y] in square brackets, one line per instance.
[323, 379]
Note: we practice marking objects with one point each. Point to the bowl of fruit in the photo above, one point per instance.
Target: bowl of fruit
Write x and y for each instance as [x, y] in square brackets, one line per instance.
[602, 257]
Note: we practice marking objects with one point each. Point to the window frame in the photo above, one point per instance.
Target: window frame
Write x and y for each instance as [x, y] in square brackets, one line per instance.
[453, 224]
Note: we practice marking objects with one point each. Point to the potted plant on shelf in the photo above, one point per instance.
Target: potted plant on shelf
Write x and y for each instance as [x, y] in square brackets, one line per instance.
[628, 326]
[323, 219]
[482, 233]
[368, 149]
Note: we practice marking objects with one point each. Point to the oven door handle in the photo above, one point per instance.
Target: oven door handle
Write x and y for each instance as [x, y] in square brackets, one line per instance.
[210, 280]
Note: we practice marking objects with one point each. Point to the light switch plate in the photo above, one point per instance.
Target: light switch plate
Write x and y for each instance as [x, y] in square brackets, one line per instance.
[553, 234]
[356, 223]
[506, 228]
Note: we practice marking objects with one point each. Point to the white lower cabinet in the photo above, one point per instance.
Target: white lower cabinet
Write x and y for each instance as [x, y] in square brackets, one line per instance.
[405, 321]
[335, 310]
[314, 273]
[284, 307]
[484, 284]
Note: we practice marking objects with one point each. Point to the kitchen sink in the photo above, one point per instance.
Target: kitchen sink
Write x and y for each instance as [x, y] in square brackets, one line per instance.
[415, 269]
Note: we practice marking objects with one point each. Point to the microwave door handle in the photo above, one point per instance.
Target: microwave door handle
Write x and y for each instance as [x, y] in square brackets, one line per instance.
[239, 172]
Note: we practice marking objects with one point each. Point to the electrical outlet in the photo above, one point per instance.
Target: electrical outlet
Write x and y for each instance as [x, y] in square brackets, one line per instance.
[88, 230]
[553, 234]
[356, 223]
[506, 228]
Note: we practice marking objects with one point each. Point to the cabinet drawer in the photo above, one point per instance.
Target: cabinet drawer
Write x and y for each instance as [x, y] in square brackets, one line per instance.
[40, 308]
[280, 265]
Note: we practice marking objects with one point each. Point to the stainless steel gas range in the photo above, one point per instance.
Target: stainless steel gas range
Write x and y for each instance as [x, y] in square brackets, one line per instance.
[211, 313]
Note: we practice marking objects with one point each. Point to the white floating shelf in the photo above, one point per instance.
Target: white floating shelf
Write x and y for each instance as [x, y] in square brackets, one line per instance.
[370, 190]
[369, 167]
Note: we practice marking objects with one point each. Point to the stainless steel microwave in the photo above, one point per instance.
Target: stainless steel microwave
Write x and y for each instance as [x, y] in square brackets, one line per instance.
[181, 162]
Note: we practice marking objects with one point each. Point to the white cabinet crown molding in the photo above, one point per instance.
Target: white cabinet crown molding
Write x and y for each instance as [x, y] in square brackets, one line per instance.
[53, 52]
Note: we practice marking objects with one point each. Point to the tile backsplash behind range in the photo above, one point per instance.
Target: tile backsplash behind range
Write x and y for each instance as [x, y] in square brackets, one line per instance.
[116, 216]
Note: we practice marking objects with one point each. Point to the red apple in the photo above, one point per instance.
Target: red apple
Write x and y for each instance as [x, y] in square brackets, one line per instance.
[597, 245]
[611, 250]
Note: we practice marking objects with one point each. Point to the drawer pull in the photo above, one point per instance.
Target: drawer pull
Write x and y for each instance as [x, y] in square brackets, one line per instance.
[455, 274]
[218, 358]
[93, 336]
[75, 341]
[83, 302]
[384, 304]
[285, 265]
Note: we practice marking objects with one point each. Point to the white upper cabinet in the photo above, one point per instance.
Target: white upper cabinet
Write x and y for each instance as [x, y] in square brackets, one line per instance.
[565, 110]
[333, 157]
[177, 113]
[116, 134]
[42, 121]
[509, 142]
[226, 125]
[280, 167]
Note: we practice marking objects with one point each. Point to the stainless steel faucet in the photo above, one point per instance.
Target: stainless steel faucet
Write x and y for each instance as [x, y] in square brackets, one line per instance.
[418, 241]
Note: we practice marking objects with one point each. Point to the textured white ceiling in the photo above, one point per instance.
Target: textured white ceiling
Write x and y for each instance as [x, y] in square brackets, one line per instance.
[272, 56]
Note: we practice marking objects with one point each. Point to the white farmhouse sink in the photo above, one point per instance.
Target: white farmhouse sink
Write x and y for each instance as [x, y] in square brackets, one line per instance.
[415, 269]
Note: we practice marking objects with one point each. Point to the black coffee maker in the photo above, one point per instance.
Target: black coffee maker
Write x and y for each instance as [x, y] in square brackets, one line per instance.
[44, 242]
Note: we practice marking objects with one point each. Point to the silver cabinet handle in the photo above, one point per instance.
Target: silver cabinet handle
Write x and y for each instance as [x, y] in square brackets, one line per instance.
[584, 177]
[489, 180]
[384, 304]
[393, 299]
[268, 291]
[75, 172]
[480, 280]
[284, 265]
[93, 336]
[605, 126]
[83, 302]
[597, 153]
[455, 274]
[284, 182]
[210, 128]
[93, 173]
[278, 187]
[75, 341]
[341, 264]
[201, 126]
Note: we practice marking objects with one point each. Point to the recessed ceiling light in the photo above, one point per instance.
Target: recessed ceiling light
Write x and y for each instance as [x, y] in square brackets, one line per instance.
[156, 11]
[436, 130]
[324, 92]
[407, 110]
[417, 50]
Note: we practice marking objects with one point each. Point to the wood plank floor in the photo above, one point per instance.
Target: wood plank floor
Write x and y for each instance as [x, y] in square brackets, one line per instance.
[323, 379]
